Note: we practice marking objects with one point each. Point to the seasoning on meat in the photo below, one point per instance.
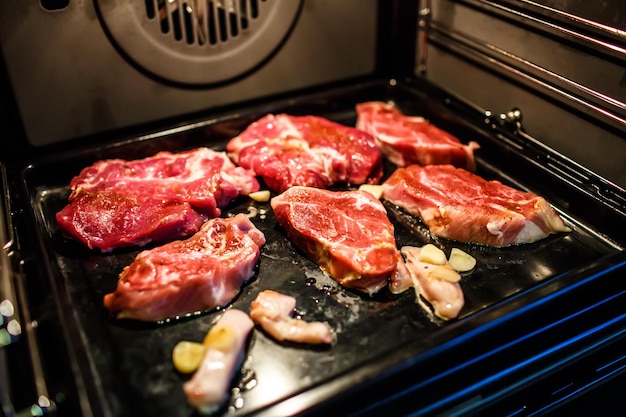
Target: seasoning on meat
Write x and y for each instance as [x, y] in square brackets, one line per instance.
[306, 150]
[200, 273]
[459, 205]
[226, 342]
[347, 233]
[116, 203]
[407, 140]
[272, 311]
[444, 295]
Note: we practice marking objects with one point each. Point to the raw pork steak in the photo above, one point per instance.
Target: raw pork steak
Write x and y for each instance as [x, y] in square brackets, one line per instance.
[116, 203]
[407, 140]
[306, 150]
[347, 233]
[200, 273]
[458, 205]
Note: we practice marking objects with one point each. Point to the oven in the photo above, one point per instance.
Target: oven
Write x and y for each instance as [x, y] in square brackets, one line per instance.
[540, 85]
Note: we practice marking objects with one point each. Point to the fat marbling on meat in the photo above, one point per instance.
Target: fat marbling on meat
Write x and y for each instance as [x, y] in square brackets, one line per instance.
[459, 205]
[115, 203]
[347, 233]
[407, 140]
[309, 151]
[200, 273]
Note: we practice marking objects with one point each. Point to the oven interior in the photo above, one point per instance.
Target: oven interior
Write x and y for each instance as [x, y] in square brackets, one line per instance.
[542, 322]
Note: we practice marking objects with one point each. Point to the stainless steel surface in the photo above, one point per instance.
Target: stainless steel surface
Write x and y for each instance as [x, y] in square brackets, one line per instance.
[565, 72]
[569, 19]
[200, 42]
[606, 107]
[79, 83]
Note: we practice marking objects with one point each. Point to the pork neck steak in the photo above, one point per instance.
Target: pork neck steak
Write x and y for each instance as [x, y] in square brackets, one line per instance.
[407, 140]
[115, 203]
[200, 273]
[306, 150]
[459, 205]
[347, 233]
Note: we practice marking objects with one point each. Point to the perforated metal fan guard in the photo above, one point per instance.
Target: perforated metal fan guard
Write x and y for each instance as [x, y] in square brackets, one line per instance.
[198, 42]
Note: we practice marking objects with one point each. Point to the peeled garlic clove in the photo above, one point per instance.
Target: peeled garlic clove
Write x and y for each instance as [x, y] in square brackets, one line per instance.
[461, 261]
[187, 356]
[375, 190]
[220, 337]
[445, 273]
[432, 254]
[260, 196]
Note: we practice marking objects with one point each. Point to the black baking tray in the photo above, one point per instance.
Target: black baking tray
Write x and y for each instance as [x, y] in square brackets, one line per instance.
[126, 366]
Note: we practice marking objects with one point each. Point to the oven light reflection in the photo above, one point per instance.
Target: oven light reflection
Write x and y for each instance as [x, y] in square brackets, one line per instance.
[14, 328]
[541, 271]
[276, 377]
[5, 337]
[6, 308]
[8, 334]
[43, 401]
[275, 380]
[40, 409]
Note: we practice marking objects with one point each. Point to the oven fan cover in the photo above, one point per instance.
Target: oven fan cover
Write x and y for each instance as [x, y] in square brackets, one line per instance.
[198, 42]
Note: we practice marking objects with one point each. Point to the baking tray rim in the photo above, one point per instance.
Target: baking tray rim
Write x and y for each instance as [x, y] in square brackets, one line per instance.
[45, 247]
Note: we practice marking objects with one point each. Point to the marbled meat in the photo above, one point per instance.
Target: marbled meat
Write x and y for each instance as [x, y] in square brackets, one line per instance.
[116, 203]
[200, 273]
[459, 205]
[347, 233]
[407, 140]
[309, 151]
